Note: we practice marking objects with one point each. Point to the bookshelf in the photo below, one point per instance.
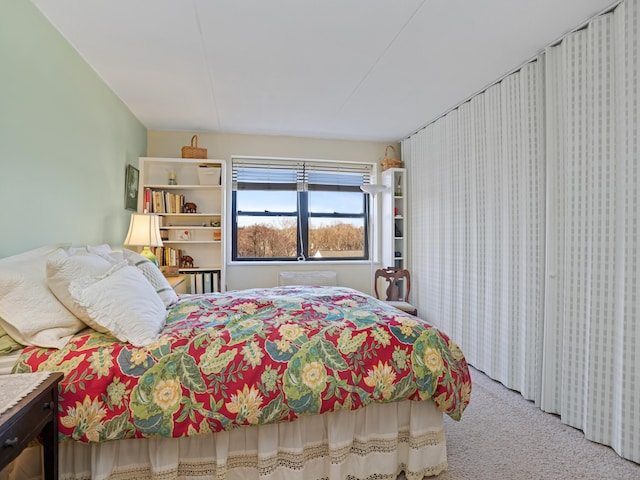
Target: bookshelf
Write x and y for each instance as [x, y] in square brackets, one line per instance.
[394, 224]
[188, 196]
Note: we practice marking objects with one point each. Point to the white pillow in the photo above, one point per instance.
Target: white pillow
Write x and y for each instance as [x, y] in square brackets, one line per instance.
[152, 273]
[64, 266]
[123, 303]
[103, 249]
[29, 312]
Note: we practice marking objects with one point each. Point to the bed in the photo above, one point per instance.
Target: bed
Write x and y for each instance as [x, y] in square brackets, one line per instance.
[291, 382]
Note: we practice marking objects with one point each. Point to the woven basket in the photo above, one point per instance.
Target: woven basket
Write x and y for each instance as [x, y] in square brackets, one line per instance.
[390, 161]
[193, 151]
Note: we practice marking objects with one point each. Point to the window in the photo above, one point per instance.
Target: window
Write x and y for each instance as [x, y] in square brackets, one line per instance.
[299, 210]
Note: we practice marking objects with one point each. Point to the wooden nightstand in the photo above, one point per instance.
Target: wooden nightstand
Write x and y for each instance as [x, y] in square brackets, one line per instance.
[36, 413]
[179, 284]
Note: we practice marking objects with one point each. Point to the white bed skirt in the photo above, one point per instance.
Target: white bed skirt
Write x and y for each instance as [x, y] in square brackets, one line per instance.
[377, 442]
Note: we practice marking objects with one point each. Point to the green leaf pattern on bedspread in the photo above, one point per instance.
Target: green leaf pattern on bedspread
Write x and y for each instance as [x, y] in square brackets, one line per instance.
[252, 357]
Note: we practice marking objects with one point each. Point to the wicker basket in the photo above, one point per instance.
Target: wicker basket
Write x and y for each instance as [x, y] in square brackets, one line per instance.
[390, 161]
[193, 151]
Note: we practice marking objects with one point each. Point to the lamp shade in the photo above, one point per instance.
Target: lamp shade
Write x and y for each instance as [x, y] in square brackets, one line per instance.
[144, 231]
[373, 189]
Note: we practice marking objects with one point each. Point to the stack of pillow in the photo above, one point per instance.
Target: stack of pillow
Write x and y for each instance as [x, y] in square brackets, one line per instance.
[49, 294]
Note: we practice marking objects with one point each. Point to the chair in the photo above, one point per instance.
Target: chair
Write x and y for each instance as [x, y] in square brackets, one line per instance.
[393, 277]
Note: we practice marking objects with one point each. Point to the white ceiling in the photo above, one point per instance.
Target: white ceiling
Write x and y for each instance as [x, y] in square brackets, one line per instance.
[350, 69]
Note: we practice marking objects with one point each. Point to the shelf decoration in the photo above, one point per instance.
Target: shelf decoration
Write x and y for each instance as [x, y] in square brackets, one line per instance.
[193, 151]
[391, 160]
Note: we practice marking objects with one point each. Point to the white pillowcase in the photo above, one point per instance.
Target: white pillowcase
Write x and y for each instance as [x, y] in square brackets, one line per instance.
[103, 249]
[64, 266]
[30, 313]
[123, 303]
[152, 273]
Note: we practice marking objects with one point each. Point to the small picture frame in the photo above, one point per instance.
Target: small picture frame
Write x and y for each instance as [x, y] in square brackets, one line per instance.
[131, 188]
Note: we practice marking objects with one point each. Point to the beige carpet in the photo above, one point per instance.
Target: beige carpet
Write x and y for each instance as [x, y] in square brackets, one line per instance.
[503, 436]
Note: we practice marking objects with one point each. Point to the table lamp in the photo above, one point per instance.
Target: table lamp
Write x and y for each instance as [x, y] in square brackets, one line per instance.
[144, 231]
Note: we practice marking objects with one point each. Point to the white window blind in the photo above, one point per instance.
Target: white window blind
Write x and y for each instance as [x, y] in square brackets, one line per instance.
[300, 175]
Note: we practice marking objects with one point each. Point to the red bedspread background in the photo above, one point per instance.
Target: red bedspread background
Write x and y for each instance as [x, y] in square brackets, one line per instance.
[252, 357]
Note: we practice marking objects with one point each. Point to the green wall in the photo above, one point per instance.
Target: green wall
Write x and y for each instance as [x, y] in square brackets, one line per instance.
[65, 140]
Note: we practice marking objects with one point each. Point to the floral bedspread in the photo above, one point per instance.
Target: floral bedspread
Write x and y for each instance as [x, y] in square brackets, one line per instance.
[252, 357]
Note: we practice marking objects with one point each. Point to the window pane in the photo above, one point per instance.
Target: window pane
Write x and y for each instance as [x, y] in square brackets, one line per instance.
[261, 200]
[281, 206]
[266, 237]
[336, 237]
[340, 202]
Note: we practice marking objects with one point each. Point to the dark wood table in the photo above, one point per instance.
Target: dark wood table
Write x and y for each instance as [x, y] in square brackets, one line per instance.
[36, 413]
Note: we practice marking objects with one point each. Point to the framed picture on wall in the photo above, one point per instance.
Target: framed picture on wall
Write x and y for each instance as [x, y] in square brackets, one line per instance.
[131, 188]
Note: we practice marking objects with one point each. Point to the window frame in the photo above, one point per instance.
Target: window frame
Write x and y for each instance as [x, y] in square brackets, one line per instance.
[302, 213]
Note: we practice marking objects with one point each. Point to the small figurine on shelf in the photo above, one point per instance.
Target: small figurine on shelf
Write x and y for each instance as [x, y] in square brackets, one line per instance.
[398, 192]
[187, 262]
[190, 207]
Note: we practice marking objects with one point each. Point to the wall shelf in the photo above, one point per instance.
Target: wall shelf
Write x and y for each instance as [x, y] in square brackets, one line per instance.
[394, 225]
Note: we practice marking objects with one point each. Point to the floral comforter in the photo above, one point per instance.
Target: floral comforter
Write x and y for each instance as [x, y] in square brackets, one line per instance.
[252, 357]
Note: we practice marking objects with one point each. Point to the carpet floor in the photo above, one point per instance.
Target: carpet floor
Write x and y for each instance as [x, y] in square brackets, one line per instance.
[503, 436]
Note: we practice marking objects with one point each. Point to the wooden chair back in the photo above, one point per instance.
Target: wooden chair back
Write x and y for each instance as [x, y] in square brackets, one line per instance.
[393, 276]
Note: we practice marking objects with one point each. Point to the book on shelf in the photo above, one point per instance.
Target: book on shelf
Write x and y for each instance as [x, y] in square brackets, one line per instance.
[204, 282]
[162, 201]
[173, 202]
[147, 206]
[158, 201]
[167, 256]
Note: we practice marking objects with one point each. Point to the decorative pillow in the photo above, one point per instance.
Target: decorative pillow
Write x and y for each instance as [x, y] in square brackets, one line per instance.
[123, 303]
[152, 273]
[29, 312]
[64, 266]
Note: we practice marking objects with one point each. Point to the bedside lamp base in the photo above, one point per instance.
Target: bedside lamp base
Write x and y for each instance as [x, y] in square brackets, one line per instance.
[148, 254]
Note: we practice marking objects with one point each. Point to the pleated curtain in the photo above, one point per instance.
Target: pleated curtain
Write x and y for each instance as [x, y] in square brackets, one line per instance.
[477, 232]
[524, 240]
[591, 374]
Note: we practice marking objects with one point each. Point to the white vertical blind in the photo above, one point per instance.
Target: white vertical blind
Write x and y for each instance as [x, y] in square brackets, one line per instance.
[626, 434]
[525, 238]
[591, 369]
[477, 236]
[555, 221]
